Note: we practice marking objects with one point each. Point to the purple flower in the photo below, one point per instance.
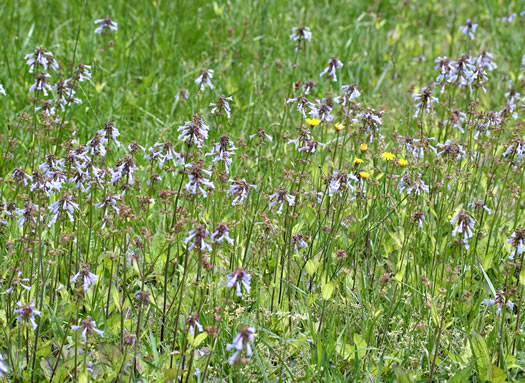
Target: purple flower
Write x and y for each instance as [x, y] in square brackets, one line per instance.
[41, 57]
[88, 277]
[469, 29]
[106, 23]
[27, 313]
[198, 238]
[221, 233]
[333, 64]
[241, 342]
[239, 278]
[88, 326]
[204, 79]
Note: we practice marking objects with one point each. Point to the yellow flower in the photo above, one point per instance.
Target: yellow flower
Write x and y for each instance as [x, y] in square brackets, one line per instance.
[388, 156]
[312, 121]
[402, 162]
[339, 126]
[364, 148]
[364, 174]
[357, 161]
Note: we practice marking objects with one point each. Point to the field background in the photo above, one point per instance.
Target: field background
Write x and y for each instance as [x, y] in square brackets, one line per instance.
[335, 321]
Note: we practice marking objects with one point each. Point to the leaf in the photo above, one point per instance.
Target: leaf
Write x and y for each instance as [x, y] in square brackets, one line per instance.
[482, 357]
[500, 376]
[435, 316]
[311, 267]
[195, 341]
[327, 290]
[360, 345]
[522, 276]
[461, 376]
[401, 375]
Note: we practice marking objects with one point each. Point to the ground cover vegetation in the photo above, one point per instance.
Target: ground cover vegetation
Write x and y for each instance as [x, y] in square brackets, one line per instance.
[208, 191]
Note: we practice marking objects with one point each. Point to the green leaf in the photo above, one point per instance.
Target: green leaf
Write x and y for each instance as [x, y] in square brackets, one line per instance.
[327, 290]
[195, 341]
[482, 357]
[360, 345]
[461, 376]
[402, 376]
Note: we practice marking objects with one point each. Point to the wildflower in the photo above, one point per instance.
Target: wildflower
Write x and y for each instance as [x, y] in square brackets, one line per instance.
[41, 57]
[223, 150]
[262, 135]
[339, 126]
[310, 146]
[456, 119]
[469, 29]
[241, 342]
[300, 34]
[299, 242]
[198, 235]
[204, 79]
[2, 91]
[350, 93]
[508, 19]
[357, 161]
[240, 189]
[322, 110]
[106, 23]
[193, 323]
[88, 326]
[339, 181]
[239, 278]
[412, 183]
[40, 83]
[371, 121]
[194, 132]
[110, 132]
[64, 203]
[363, 148]
[333, 64]
[279, 197]
[125, 167]
[402, 162]
[312, 121]
[388, 156]
[418, 217]
[465, 224]
[424, 100]
[451, 149]
[302, 104]
[364, 174]
[517, 242]
[479, 205]
[222, 105]
[221, 233]
[21, 176]
[308, 84]
[499, 301]
[3, 367]
[518, 147]
[197, 180]
[83, 72]
[18, 281]
[27, 313]
[142, 297]
[88, 277]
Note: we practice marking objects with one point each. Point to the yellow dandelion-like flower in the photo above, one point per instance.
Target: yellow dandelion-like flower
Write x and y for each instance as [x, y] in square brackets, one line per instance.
[388, 156]
[363, 148]
[364, 175]
[339, 126]
[313, 121]
[402, 162]
[357, 161]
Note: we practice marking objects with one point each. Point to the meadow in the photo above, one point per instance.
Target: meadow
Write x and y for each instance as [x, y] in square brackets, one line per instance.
[262, 191]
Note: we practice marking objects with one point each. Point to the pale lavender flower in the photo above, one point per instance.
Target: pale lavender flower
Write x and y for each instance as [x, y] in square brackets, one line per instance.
[222, 105]
[65, 204]
[27, 313]
[302, 104]
[221, 233]
[17, 281]
[223, 151]
[280, 197]
[350, 93]
[464, 225]
[330, 70]
[106, 24]
[412, 184]
[41, 57]
[204, 79]
[241, 342]
[418, 217]
[194, 132]
[3, 367]
[197, 174]
[198, 238]
[261, 135]
[299, 242]
[425, 101]
[451, 149]
[340, 181]
[239, 279]
[193, 323]
[517, 147]
[469, 29]
[479, 206]
[125, 167]
[109, 132]
[517, 242]
[88, 278]
[300, 34]
[508, 19]
[240, 189]
[40, 83]
[88, 326]
[322, 110]
[499, 301]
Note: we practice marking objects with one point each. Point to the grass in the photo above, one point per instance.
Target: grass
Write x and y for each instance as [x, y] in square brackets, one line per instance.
[353, 276]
